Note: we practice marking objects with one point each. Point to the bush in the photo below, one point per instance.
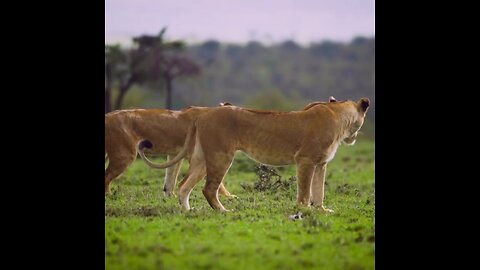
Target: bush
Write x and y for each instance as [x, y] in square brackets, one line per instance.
[269, 180]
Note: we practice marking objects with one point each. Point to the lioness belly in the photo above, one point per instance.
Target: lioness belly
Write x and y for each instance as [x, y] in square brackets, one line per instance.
[273, 158]
[270, 148]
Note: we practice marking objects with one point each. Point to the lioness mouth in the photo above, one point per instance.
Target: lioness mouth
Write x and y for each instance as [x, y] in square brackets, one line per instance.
[351, 140]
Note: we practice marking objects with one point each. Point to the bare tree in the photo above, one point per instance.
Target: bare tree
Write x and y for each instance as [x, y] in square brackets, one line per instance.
[162, 62]
[147, 63]
[176, 66]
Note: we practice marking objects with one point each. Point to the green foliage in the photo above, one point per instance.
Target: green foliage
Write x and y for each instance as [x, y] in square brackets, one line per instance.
[145, 230]
[136, 96]
[245, 75]
[368, 129]
[273, 100]
[281, 77]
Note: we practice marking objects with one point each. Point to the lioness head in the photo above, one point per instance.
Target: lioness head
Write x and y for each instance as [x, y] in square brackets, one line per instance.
[361, 109]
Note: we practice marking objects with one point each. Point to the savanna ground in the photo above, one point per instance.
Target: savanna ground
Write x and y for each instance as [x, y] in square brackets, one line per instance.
[145, 230]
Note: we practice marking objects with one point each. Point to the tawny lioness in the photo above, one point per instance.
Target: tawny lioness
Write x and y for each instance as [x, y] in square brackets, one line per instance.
[165, 128]
[307, 138]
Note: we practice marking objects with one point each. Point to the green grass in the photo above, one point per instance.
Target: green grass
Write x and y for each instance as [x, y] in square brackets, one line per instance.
[144, 230]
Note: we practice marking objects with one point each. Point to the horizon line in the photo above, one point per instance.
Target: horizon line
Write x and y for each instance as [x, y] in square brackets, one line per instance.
[127, 41]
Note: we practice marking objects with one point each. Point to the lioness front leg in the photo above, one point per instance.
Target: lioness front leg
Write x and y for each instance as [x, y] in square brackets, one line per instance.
[305, 170]
[318, 187]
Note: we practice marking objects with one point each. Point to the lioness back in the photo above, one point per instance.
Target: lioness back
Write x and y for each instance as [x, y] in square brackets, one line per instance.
[166, 129]
[268, 137]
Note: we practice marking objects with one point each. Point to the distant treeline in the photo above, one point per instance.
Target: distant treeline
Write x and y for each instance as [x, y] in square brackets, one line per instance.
[284, 76]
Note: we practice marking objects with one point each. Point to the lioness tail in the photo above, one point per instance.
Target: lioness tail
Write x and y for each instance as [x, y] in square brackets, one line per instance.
[183, 152]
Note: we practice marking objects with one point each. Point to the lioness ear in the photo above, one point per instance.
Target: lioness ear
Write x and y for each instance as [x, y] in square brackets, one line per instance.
[364, 103]
[332, 99]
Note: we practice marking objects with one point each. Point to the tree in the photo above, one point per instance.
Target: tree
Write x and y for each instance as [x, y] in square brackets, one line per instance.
[209, 50]
[115, 69]
[174, 67]
[290, 45]
[327, 49]
[254, 47]
[147, 63]
[120, 67]
[161, 67]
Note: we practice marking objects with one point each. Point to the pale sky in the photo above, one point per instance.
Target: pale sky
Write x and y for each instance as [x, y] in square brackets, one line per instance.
[240, 21]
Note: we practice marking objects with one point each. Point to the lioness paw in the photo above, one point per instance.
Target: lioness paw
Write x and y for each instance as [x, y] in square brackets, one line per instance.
[170, 194]
[326, 210]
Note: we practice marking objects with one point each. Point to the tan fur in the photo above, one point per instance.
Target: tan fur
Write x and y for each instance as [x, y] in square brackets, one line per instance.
[307, 138]
[166, 129]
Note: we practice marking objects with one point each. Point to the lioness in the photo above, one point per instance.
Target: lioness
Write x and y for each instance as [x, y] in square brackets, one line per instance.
[307, 138]
[165, 128]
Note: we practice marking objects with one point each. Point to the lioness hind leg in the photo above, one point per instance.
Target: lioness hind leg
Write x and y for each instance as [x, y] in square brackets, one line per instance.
[194, 176]
[196, 172]
[116, 167]
[222, 190]
[171, 175]
[216, 171]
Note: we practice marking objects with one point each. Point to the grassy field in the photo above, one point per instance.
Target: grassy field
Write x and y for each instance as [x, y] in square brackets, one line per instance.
[145, 230]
